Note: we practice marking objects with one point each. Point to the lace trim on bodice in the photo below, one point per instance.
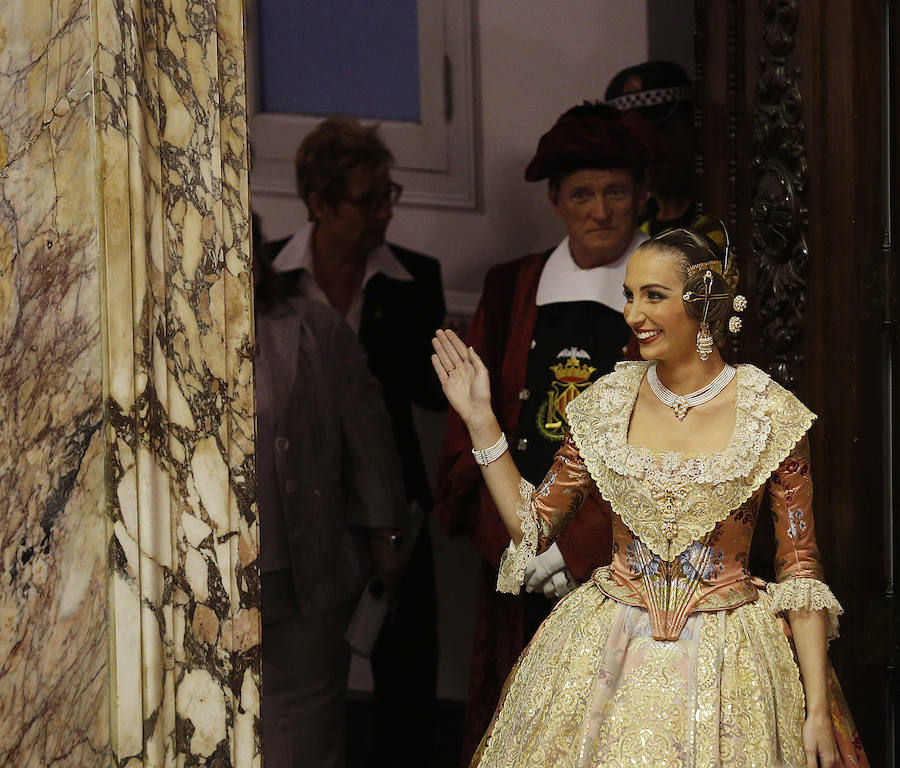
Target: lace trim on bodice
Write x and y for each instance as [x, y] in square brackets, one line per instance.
[670, 500]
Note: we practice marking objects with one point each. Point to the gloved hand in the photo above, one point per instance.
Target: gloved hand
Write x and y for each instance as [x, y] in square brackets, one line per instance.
[547, 573]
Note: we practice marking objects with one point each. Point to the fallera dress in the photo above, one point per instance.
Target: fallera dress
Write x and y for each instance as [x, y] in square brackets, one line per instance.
[673, 655]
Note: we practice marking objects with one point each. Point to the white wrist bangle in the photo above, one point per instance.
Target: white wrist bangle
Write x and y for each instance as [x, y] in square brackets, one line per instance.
[486, 456]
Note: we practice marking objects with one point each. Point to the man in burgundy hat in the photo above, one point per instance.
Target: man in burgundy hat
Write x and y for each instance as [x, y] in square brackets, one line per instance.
[547, 325]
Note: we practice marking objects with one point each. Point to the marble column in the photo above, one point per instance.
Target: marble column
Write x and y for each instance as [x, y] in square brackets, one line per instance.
[129, 622]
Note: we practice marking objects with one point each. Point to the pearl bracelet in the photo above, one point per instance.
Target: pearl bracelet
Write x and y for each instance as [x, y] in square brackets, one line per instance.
[487, 455]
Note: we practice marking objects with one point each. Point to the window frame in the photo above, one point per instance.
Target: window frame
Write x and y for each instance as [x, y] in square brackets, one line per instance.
[435, 156]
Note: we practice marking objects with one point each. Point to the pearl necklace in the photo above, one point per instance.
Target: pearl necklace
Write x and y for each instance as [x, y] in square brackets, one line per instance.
[682, 403]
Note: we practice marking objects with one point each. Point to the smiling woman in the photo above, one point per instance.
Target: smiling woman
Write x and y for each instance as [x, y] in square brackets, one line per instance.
[655, 309]
[674, 653]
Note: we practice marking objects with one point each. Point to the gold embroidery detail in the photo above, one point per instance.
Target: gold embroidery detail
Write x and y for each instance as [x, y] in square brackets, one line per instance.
[651, 490]
[669, 495]
[551, 686]
[572, 378]
[594, 689]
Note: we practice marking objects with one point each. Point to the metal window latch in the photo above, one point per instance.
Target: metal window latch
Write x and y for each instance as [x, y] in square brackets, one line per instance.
[448, 89]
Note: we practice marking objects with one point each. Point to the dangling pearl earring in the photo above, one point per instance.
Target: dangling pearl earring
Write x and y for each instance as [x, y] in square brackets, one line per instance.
[704, 342]
[704, 337]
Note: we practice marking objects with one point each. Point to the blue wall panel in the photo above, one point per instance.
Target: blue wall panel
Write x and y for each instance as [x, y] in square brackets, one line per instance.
[355, 57]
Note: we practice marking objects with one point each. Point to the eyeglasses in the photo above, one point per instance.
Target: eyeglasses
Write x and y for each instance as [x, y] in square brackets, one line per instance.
[375, 200]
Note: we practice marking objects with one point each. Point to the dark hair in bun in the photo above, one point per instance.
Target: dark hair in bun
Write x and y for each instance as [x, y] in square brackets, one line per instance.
[696, 254]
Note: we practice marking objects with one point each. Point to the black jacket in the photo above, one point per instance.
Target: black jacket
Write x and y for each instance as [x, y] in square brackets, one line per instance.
[399, 318]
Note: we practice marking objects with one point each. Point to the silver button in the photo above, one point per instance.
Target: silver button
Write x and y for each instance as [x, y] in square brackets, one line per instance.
[290, 486]
[533, 343]
[524, 394]
[282, 443]
[522, 443]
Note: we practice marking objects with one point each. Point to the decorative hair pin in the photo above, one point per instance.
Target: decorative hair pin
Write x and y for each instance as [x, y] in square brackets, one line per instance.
[704, 337]
[734, 323]
[715, 232]
[690, 296]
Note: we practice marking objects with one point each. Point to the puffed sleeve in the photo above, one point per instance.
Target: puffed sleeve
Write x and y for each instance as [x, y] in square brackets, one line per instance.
[545, 512]
[799, 574]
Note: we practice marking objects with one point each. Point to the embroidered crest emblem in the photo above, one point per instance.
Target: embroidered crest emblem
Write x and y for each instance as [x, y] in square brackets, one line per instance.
[572, 375]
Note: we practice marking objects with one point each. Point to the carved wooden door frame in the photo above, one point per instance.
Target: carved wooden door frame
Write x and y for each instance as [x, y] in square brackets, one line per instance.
[795, 158]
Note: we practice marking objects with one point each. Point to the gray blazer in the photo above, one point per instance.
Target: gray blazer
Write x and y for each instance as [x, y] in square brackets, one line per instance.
[334, 468]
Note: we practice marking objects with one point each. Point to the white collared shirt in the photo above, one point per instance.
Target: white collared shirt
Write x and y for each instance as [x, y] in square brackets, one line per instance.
[563, 280]
[298, 254]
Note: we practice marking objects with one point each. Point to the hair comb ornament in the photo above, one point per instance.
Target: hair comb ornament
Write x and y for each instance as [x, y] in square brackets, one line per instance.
[715, 266]
[707, 296]
[714, 230]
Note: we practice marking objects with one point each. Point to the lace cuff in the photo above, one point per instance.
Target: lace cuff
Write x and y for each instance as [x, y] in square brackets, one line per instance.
[516, 558]
[807, 594]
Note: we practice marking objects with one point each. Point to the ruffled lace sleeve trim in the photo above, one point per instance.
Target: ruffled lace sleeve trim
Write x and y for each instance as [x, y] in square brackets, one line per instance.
[516, 558]
[806, 594]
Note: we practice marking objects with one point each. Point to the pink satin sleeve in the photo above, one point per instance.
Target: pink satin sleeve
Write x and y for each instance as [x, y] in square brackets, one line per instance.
[791, 493]
[561, 493]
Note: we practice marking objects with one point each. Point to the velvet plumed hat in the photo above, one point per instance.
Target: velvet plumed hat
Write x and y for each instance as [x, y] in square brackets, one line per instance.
[594, 135]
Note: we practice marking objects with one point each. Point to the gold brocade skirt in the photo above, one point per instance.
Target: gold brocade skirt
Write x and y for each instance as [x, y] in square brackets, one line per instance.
[594, 688]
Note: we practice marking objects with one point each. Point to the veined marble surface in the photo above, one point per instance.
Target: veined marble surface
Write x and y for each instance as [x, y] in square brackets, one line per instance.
[129, 625]
[53, 604]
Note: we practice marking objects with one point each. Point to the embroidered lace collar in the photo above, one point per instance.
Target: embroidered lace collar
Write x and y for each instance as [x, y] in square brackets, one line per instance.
[748, 438]
[702, 489]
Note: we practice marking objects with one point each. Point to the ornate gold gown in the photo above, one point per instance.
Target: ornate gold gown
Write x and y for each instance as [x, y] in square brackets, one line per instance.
[673, 655]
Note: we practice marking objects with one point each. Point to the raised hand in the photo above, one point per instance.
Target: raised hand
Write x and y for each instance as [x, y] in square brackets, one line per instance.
[467, 386]
[463, 377]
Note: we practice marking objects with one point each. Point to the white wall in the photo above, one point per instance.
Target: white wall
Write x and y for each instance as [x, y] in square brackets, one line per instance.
[534, 59]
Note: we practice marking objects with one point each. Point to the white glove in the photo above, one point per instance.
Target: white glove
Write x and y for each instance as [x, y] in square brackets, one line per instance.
[547, 573]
